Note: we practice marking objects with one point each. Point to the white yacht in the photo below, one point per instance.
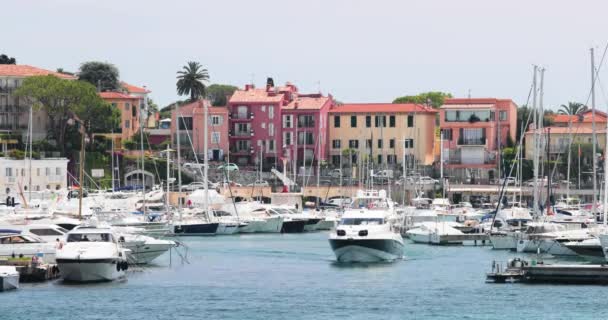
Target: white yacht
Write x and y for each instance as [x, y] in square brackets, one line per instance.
[431, 232]
[92, 254]
[14, 244]
[9, 278]
[367, 231]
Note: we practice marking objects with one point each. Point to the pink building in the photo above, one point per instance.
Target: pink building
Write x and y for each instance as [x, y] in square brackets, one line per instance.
[191, 122]
[307, 115]
[473, 130]
[263, 125]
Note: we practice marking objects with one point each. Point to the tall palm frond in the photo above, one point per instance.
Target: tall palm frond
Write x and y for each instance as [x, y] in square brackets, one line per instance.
[191, 80]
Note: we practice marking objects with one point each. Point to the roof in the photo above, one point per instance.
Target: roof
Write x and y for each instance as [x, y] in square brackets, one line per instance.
[133, 89]
[307, 103]
[23, 70]
[255, 95]
[199, 104]
[587, 117]
[381, 107]
[117, 96]
[476, 103]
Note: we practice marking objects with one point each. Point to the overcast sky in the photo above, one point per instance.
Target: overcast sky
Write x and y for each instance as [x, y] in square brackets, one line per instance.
[359, 51]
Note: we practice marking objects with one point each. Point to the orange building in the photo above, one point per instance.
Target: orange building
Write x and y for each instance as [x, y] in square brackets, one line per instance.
[129, 107]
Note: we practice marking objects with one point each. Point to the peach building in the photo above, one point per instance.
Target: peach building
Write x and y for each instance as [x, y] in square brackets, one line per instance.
[191, 124]
[129, 107]
[382, 131]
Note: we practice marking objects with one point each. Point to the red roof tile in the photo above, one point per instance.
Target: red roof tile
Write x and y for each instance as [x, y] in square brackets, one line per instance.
[307, 103]
[381, 107]
[255, 95]
[117, 96]
[587, 117]
[564, 130]
[134, 89]
[23, 70]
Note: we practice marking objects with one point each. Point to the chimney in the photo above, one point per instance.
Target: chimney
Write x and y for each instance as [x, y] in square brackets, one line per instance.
[248, 87]
[296, 105]
[269, 83]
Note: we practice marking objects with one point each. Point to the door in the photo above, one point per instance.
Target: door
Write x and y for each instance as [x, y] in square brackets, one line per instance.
[216, 155]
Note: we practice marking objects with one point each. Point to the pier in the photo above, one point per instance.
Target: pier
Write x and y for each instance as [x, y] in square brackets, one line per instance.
[523, 271]
[477, 239]
[32, 272]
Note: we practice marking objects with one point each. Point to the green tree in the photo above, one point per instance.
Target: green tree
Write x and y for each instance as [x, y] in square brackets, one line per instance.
[434, 98]
[4, 59]
[218, 93]
[572, 108]
[190, 81]
[61, 99]
[103, 75]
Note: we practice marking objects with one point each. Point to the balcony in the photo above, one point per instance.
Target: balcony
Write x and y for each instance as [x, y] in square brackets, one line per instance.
[241, 133]
[306, 124]
[471, 141]
[241, 116]
[558, 148]
[244, 150]
[467, 157]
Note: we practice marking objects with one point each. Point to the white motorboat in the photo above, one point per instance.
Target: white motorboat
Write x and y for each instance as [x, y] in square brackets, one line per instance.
[535, 236]
[143, 249]
[16, 244]
[9, 278]
[367, 231]
[432, 232]
[92, 254]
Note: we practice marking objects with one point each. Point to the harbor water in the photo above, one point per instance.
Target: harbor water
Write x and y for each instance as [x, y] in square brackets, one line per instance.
[295, 276]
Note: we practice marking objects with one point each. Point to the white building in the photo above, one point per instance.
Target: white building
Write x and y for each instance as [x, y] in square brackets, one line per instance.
[46, 174]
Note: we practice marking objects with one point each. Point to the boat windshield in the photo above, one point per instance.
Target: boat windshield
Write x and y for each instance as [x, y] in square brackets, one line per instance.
[361, 221]
[370, 203]
[92, 237]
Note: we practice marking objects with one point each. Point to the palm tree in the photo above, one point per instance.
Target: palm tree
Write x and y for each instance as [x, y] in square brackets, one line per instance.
[190, 80]
[573, 108]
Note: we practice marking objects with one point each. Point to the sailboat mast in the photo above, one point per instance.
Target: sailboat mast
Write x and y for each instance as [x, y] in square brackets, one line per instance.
[143, 168]
[30, 129]
[536, 143]
[206, 157]
[179, 158]
[594, 136]
[112, 159]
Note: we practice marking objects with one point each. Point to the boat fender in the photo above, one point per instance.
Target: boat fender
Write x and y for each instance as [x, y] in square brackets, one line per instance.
[118, 266]
[125, 266]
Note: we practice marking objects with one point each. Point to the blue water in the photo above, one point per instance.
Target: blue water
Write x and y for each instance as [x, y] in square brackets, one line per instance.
[295, 276]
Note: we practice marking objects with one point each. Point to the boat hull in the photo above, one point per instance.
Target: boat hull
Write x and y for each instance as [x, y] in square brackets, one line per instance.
[143, 254]
[93, 270]
[503, 242]
[9, 280]
[198, 229]
[368, 250]
[312, 224]
[293, 226]
[227, 228]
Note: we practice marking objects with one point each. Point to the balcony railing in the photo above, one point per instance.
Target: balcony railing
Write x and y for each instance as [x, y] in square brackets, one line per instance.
[306, 124]
[471, 141]
[241, 116]
[242, 133]
[456, 156]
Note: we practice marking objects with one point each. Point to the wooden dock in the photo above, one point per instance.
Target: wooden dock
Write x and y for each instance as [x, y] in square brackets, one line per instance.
[32, 272]
[476, 238]
[530, 272]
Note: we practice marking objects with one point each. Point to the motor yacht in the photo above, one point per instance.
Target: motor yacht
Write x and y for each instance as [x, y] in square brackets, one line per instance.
[432, 232]
[367, 231]
[92, 254]
[15, 244]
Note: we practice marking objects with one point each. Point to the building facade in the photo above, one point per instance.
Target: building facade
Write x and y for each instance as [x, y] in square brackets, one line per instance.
[473, 130]
[129, 107]
[46, 174]
[14, 111]
[384, 132]
[191, 121]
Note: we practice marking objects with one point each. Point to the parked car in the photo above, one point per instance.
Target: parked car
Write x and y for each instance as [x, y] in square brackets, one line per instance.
[427, 180]
[194, 165]
[383, 174]
[541, 182]
[259, 183]
[509, 180]
[229, 167]
[335, 173]
[417, 180]
[193, 186]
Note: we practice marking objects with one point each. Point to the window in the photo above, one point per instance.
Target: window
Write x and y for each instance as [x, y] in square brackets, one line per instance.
[185, 123]
[354, 144]
[391, 143]
[287, 138]
[127, 106]
[335, 144]
[468, 115]
[305, 138]
[336, 121]
[472, 136]
[410, 121]
[379, 159]
[409, 143]
[447, 134]
[8, 172]
[353, 121]
[127, 124]
[270, 112]
[306, 121]
[263, 108]
[503, 115]
[368, 143]
[380, 143]
[391, 121]
[368, 121]
[216, 120]
[215, 137]
[263, 125]
[38, 172]
[46, 232]
[287, 121]
[23, 172]
[391, 159]
[335, 159]
[134, 111]
[271, 129]
[380, 121]
[270, 145]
